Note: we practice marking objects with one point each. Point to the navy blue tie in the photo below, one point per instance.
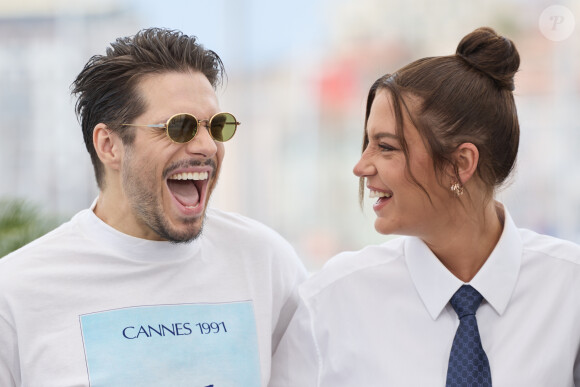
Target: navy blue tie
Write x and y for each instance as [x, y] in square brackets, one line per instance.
[468, 364]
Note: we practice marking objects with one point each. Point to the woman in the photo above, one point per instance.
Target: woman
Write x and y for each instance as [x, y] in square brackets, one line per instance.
[441, 135]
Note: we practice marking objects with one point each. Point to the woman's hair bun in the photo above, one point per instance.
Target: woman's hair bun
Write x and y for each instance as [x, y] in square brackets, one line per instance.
[491, 54]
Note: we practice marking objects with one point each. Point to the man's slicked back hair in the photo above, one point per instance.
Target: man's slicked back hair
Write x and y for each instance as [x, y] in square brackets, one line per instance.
[106, 88]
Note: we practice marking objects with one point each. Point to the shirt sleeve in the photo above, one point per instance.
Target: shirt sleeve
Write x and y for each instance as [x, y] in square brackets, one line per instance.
[296, 361]
[8, 355]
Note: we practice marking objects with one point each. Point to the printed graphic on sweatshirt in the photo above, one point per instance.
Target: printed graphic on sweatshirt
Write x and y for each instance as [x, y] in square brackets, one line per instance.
[173, 345]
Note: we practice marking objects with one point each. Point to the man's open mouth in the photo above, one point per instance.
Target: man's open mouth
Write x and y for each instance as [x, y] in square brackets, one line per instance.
[188, 187]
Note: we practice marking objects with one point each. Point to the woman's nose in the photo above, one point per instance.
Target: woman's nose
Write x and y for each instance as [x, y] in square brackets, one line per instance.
[364, 167]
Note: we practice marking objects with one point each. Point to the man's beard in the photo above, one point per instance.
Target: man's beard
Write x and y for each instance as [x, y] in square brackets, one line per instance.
[149, 210]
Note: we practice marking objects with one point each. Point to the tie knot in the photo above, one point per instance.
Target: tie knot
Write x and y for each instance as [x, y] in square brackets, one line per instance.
[465, 301]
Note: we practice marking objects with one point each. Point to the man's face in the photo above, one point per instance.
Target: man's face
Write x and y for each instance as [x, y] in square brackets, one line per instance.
[167, 185]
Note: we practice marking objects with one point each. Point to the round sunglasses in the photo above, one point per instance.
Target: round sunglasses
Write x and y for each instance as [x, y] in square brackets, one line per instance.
[182, 127]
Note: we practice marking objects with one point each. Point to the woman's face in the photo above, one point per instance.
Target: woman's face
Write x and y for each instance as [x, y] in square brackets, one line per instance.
[401, 206]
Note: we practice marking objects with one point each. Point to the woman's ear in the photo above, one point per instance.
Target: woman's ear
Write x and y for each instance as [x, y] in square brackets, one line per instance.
[466, 159]
[108, 146]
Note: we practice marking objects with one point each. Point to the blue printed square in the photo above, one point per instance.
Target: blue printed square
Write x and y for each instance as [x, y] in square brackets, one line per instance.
[173, 345]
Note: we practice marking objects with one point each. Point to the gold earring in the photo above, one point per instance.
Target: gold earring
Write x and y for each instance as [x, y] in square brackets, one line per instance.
[457, 189]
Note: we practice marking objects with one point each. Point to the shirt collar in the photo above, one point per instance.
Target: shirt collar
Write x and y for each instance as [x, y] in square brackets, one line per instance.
[495, 281]
[132, 247]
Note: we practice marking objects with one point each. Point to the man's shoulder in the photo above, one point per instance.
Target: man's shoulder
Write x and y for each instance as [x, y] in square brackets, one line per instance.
[237, 226]
[247, 237]
[54, 238]
[25, 263]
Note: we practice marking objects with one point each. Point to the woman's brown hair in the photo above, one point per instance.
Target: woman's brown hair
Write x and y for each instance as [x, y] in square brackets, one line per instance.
[466, 97]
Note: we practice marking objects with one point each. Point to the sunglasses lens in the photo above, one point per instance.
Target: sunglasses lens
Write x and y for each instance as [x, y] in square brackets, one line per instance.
[182, 128]
[223, 127]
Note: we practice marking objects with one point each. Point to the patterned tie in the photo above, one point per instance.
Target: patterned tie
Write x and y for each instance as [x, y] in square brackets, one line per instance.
[468, 364]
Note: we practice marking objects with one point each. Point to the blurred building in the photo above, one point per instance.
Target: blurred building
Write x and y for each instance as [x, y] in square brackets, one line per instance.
[43, 46]
[305, 119]
[290, 164]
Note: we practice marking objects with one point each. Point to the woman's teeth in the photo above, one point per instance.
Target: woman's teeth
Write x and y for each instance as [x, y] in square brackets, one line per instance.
[379, 194]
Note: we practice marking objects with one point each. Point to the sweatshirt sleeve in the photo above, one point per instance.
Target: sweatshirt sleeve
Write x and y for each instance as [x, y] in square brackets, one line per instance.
[9, 369]
[292, 275]
[577, 370]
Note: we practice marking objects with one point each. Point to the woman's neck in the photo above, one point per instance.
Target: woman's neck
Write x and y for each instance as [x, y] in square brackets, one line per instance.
[464, 245]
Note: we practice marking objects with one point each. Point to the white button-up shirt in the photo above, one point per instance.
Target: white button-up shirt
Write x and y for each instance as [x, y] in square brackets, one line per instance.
[381, 317]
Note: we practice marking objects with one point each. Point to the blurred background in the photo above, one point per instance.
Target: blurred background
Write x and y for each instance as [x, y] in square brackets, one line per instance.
[298, 76]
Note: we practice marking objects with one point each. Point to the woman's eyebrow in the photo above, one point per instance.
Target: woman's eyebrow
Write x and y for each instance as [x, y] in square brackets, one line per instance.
[381, 135]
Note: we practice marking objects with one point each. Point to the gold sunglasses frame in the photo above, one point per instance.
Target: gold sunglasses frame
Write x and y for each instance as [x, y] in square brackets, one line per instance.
[199, 123]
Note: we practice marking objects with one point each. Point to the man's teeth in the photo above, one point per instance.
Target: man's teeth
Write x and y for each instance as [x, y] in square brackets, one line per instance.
[190, 176]
[379, 194]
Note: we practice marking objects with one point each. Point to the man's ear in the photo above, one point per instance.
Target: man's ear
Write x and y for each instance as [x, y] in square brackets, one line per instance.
[108, 146]
[466, 158]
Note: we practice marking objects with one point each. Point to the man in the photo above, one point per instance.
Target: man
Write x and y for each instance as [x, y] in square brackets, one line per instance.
[148, 287]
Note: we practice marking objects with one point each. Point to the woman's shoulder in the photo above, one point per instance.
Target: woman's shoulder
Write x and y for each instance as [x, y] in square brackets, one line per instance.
[550, 246]
[354, 265]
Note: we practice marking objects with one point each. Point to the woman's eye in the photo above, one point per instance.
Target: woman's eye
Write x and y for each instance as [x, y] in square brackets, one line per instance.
[387, 147]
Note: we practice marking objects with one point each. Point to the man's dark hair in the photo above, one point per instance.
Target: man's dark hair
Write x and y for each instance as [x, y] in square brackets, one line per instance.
[107, 86]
